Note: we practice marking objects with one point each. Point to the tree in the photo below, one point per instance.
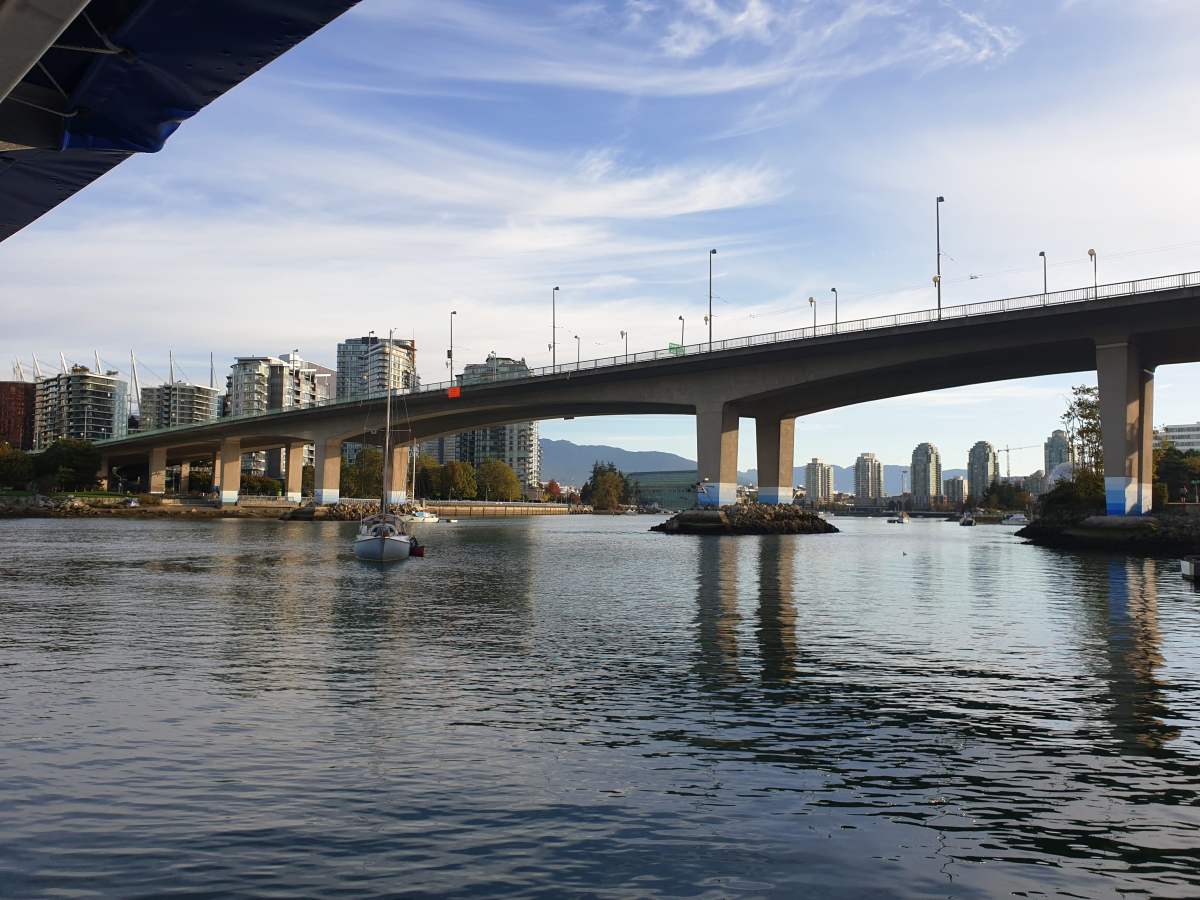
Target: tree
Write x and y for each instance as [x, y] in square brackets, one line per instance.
[599, 470]
[200, 481]
[1000, 495]
[1177, 470]
[1082, 421]
[261, 485]
[608, 491]
[363, 477]
[15, 467]
[71, 463]
[428, 478]
[308, 481]
[554, 492]
[498, 481]
[458, 481]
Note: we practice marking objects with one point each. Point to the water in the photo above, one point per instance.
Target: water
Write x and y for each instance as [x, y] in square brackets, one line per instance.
[573, 706]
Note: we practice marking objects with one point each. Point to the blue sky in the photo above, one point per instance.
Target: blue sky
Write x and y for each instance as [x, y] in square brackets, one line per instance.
[414, 158]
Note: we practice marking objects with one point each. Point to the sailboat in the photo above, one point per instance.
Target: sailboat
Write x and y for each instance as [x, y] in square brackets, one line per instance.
[381, 537]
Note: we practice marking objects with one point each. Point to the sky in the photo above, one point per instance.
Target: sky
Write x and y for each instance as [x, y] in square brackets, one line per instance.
[414, 158]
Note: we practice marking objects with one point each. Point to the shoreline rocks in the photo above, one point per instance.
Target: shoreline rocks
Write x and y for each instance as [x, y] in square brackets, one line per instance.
[1143, 535]
[749, 518]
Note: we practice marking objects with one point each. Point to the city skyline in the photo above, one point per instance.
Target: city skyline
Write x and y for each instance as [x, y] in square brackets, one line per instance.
[635, 143]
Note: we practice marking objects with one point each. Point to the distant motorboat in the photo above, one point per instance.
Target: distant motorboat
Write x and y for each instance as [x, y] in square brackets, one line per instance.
[631, 512]
[966, 520]
[1015, 519]
[901, 519]
[421, 515]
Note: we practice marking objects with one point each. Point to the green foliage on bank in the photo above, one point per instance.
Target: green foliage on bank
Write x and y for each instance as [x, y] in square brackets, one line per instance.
[608, 488]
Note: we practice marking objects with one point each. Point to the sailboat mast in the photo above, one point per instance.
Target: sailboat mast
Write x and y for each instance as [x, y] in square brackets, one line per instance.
[387, 428]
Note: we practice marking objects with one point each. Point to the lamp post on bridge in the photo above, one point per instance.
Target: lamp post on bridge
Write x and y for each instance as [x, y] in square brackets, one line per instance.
[835, 314]
[553, 330]
[682, 325]
[1045, 289]
[812, 301]
[711, 254]
[578, 352]
[938, 280]
[625, 334]
[1095, 275]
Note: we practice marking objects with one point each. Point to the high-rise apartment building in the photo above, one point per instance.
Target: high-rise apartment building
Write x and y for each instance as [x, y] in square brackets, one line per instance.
[260, 383]
[926, 476]
[1035, 484]
[80, 404]
[180, 403]
[1057, 450]
[818, 482]
[518, 445]
[983, 468]
[955, 490]
[868, 477]
[362, 366]
[17, 401]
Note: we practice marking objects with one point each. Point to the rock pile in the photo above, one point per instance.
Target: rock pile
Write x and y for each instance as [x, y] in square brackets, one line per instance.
[747, 518]
[1160, 535]
[352, 512]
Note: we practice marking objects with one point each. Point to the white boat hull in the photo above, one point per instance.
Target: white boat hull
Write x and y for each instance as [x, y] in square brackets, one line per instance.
[388, 548]
[1189, 566]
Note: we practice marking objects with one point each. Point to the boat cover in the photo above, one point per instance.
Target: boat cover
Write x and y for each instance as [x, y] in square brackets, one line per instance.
[176, 57]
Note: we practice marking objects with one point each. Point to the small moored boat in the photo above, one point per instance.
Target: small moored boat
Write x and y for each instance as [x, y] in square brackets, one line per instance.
[381, 538]
[1188, 567]
[901, 519]
[966, 520]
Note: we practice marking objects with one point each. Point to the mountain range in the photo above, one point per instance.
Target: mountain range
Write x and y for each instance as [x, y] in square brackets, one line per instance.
[571, 464]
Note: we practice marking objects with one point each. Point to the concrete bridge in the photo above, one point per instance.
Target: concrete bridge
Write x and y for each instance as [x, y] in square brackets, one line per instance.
[1123, 331]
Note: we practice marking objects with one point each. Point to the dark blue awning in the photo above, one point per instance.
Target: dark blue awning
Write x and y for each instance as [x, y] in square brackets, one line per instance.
[122, 77]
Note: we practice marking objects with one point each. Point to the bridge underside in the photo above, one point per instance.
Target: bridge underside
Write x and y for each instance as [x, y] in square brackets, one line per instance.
[1123, 339]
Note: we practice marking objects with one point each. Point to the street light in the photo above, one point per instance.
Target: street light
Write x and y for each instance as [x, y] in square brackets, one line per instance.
[450, 352]
[625, 334]
[812, 301]
[1045, 291]
[682, 325]
[711, 254]
[553, 329]
[835, 321]
[1095, 276]
[938, 281]
[577, 352]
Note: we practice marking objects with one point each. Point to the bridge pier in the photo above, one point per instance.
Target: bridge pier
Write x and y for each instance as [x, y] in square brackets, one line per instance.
[295, 470]
[1126, 428]
[776, 438]
[397, 488]
[328, 475]
[102, 474]
[185, 472]
[158, 471]
[716, 455]
[231, 469]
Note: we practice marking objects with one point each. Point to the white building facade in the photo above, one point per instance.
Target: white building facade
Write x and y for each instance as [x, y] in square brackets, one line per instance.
[818, 482]
[983, 468]
[259, 383]
[1181, 437]
[80, 404]
[868, 477]
[926, 476]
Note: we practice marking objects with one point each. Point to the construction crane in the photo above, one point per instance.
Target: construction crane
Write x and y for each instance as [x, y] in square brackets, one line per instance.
[1008, 457]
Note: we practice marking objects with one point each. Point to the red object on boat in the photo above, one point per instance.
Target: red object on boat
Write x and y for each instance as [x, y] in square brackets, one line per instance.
[454, 392]
[419, 550]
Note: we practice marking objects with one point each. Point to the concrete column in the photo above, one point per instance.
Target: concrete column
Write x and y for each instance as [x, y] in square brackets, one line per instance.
[158, 470]
[295, 470]
[216, 471]
[102, 474]
[231, 469]
[184, 473]
[716, 455]
[398, 474]
[328, 470]
[776, 452]
[1126, 429]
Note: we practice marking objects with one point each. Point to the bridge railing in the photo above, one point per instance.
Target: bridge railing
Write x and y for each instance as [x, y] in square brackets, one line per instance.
[675, 351]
